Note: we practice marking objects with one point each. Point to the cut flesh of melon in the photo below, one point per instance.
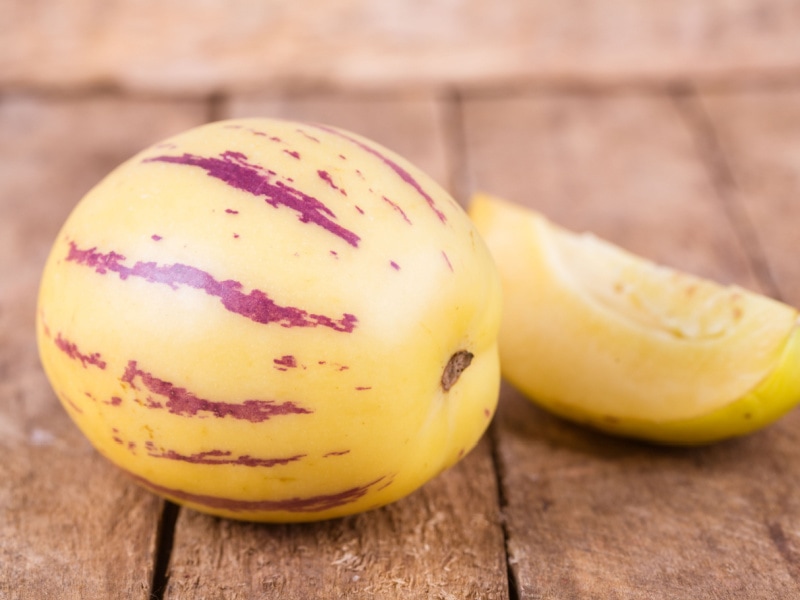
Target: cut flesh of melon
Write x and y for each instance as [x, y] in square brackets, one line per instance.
[598, 334]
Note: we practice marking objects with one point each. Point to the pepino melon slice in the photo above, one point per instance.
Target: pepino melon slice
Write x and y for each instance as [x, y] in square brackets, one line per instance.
[608, 339]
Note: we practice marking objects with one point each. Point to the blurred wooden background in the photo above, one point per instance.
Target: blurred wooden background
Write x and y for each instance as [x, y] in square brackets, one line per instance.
[669, 127]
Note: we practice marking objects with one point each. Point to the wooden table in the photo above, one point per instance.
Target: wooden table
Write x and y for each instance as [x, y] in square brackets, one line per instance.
[685, 152]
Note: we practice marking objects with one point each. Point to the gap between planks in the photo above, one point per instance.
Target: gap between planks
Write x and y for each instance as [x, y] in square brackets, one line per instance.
[690, 108]
[165, 537]
[461, 186]
[502, 502]
[730, 82]
[165, 534]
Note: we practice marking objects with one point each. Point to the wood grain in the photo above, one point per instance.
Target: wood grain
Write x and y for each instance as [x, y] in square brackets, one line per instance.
[588, 515]
[444, 541]
[218, 45]
[759, 136]
[70, 525]
[624, 165]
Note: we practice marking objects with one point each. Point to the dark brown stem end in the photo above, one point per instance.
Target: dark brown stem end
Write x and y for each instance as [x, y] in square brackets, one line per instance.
[455, 367]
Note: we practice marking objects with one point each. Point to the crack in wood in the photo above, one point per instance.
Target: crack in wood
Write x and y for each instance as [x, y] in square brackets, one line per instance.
[784, 548]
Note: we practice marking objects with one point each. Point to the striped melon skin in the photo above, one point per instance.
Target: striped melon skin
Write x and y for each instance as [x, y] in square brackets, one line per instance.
[270, 320]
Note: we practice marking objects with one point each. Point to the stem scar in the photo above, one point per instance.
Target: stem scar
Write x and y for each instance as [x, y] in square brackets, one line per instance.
[455, 367]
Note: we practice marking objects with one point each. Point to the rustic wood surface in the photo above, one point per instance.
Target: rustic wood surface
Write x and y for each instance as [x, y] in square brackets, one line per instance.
[671, 128]
[235, 45]
[589, 516]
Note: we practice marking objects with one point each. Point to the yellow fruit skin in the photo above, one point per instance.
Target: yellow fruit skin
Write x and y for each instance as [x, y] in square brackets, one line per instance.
[769, 401]
[591, 365]
[253, 318]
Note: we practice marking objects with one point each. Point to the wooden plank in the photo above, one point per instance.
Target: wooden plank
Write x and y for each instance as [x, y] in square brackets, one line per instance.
[759, 136]
[595, 162]
[252, 44]
[71, 526]
[594, 517]
[443, 541]
[590, 516]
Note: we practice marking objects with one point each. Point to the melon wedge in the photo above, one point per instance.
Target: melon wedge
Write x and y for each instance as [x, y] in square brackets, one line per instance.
[611, 340]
